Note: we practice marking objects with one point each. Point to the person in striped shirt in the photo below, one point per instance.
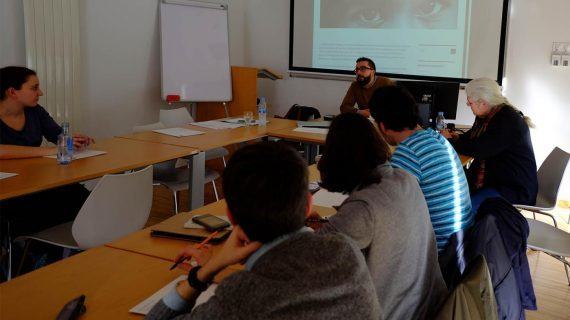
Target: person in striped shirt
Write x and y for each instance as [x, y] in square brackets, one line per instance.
[428, 156]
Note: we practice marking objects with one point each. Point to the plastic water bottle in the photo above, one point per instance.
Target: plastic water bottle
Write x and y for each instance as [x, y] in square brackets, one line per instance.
[262, 111]
[440, 122]
[64, 145]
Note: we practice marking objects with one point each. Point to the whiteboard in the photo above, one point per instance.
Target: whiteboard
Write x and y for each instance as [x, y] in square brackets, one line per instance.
[195, 54]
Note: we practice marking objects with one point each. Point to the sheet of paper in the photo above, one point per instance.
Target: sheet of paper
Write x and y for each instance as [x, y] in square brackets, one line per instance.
[83, 154]
[217, 125]
[178, 132]
[145, 306]
[314, 124]
[329, 199]
[191, 225]
[4, 175]
[312, 130]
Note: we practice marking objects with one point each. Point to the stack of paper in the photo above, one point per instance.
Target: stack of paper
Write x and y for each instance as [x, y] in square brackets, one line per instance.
[178, 132]
[312, 130]
[314, 124]
[217, 125]
[145, 306]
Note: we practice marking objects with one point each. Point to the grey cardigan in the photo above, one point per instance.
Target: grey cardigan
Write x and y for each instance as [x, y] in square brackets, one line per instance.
[390, 223]
[308, 276]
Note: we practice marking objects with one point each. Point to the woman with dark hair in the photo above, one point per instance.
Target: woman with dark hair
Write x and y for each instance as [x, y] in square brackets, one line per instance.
[23, 125]
[386, 215]
[23, 122]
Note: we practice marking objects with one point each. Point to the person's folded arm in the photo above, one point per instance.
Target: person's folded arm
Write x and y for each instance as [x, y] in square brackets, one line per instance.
[499, 136]
[348, 101]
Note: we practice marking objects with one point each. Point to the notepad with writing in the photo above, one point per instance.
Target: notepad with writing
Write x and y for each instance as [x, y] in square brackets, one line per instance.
[145, 306]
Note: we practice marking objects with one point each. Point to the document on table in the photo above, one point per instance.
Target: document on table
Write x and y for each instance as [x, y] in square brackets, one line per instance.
[192, 225]
[312, 130]
[4, 175]
[314, 124]
[145, 306]
[217, 125]
[178, 132]
[329, 199]
[82, 154]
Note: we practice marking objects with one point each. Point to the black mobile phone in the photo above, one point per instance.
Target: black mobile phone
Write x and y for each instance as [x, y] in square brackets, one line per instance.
[210, 222]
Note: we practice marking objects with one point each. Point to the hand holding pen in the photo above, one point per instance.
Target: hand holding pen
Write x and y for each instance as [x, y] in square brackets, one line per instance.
[201, 252]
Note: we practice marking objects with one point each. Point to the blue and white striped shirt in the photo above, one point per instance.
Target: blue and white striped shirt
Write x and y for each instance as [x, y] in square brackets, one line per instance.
[432, 160]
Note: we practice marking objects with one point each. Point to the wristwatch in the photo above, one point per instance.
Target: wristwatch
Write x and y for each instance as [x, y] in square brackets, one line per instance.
[194, 282]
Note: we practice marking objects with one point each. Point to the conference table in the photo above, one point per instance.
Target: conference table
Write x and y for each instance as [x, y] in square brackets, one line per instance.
[312, 140]
[112, 280]
[211, 139]
[42, 173]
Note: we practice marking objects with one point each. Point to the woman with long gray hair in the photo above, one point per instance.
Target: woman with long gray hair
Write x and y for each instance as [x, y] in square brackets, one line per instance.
[500, 143]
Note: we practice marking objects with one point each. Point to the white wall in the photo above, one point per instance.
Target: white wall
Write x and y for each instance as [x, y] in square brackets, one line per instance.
[12, 41]
[541, 91]
[121, 63]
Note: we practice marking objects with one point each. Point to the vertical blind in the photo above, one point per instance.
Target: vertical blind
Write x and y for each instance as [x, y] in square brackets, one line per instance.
[52, 50]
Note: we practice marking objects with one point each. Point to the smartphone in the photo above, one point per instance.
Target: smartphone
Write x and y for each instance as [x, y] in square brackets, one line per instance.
[210, 222]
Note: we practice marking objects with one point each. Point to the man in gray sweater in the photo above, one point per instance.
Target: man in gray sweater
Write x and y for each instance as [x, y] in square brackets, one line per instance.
[290, 272]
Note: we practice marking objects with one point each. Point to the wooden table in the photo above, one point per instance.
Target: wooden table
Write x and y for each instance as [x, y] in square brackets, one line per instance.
[211, 139]
[142, 243]
[37, 174]
[112, 280]
[312, 139]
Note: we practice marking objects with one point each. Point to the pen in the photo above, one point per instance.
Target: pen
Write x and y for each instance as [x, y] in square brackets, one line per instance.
[200, 245]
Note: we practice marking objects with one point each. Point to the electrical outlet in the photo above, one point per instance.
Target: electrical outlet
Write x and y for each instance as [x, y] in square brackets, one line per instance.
[556, 60]
[565, 60]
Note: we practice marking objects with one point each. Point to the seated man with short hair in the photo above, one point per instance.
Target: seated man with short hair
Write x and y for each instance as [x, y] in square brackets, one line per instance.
[428, 156]
[290, 272]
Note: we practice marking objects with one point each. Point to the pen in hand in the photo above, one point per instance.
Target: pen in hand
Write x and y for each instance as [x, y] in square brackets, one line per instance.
[200, 245]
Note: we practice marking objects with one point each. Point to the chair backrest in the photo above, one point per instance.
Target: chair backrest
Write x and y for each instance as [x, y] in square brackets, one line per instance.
[550, 176]
[120, 204]
[149, 127]
[302, 113]
[175, 117]
[474, 297]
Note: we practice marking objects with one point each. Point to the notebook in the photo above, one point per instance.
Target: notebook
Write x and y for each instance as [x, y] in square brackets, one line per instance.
[178, 132]
[192, 234]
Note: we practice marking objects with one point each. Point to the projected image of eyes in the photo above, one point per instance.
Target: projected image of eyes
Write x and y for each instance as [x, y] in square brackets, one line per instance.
[435, 14]
[375, 14]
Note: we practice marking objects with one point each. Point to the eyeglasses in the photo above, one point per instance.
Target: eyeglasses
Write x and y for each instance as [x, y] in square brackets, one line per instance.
[361, 69]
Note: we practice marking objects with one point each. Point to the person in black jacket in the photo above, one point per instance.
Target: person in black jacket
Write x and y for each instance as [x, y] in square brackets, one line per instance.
[500, 143]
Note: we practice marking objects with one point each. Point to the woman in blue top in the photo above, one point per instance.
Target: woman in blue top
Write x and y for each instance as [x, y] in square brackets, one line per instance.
[23, 125]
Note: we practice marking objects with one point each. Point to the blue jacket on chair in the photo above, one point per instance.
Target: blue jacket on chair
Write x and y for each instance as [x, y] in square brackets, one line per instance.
[500, 234]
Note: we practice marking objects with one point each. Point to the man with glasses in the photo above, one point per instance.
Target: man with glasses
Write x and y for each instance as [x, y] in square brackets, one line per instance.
[361, 90]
